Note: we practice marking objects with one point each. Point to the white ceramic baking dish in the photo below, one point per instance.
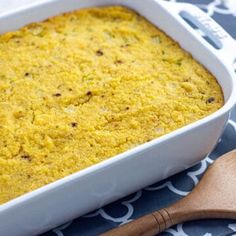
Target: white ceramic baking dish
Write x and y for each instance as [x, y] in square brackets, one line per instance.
[77, 194]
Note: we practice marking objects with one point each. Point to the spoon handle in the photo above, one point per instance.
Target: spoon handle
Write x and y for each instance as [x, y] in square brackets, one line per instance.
[148, 225]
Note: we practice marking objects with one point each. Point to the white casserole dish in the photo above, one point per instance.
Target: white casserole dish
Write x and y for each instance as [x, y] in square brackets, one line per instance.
[77, 194]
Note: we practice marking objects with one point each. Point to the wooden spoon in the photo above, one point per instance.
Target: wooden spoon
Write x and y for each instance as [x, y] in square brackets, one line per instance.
[213, 197]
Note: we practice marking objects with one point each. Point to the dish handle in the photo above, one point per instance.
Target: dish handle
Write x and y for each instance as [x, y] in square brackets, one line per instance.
[196, 20]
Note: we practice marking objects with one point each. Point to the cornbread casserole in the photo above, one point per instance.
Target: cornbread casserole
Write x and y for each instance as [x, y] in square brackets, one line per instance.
[84, 86]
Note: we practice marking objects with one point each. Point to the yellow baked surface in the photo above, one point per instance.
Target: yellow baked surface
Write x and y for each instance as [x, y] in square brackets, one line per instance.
[84, 86]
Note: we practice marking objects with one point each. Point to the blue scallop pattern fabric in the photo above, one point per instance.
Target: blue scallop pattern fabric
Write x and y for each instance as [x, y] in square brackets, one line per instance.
[168, 191]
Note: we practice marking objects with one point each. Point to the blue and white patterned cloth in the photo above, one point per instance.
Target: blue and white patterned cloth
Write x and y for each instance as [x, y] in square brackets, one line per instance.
[170, 190]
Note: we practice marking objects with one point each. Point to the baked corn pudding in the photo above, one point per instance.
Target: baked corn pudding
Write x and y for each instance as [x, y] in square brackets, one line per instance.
[84, 86]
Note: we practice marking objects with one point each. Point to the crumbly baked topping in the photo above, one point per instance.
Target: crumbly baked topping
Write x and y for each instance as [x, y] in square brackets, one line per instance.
[84, 86]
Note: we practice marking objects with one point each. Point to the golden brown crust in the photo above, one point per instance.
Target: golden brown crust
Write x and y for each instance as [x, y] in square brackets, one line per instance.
[84, 86]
